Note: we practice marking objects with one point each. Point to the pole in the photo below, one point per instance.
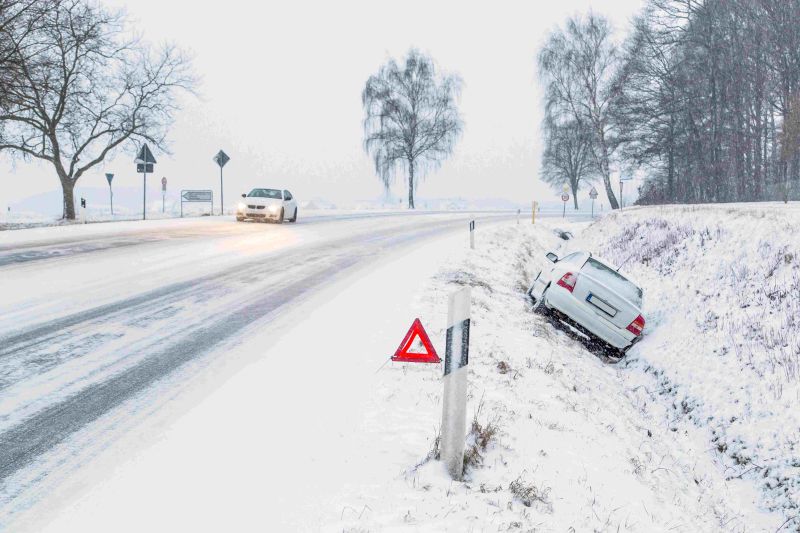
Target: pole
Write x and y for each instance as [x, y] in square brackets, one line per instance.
[221, 194]
[111, 195]
[564, 214]
[454, 402]
[592, 208]
[144, 194]
[518, 212]
[620, 194]
[472, 234]
[533, 213]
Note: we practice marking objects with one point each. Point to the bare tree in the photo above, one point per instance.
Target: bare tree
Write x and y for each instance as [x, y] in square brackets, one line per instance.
[578, 66]
[567, 155]
[83, 89]
[411, 118]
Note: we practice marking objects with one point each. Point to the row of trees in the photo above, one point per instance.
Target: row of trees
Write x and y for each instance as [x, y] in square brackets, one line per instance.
[703, 96]
[75, 86]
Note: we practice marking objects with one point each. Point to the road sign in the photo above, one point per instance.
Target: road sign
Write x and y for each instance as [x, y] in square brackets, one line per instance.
[221, 159]
[404, 353]
[83, 202]
[109, 177]
[593, 193]
[144, 168]
[197, 196]
[163, 184]
[145, 155]
[565, 197]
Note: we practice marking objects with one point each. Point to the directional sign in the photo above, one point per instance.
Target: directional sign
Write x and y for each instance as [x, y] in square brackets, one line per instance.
[409, 350]
[197, 196]
[221, 159]
[565, 197]
[145, 155]
[163, 184]
[109, 177]
[593, 193]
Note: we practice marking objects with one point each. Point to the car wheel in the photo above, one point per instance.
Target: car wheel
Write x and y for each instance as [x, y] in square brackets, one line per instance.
[294, 218]
[280, 217]
[538, 305]
[239, 219]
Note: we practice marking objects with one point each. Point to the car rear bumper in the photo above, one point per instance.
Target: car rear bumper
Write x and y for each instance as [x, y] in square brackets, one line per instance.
[563, 301]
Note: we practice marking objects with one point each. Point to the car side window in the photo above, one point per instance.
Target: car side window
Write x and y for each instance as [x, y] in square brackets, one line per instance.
[287, 195]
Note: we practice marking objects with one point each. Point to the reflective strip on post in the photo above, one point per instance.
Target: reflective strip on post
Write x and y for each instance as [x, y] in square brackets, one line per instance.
[454, 404]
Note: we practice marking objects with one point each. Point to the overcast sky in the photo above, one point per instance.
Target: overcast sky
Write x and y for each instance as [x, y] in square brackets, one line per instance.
[281, 86]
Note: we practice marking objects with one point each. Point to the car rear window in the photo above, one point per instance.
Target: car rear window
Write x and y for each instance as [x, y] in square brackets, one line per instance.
[614, 281]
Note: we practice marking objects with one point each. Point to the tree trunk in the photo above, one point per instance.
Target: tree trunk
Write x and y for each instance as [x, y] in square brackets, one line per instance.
[411, 185]
[575, 195]
[68, 188]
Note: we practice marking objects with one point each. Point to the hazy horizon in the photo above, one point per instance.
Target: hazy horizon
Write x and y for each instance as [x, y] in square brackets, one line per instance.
[280, 93]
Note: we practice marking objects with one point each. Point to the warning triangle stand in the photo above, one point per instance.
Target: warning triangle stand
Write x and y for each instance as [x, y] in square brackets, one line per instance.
[404, 353]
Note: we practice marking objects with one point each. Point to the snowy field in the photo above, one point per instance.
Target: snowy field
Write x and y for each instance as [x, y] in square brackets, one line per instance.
[297, 422]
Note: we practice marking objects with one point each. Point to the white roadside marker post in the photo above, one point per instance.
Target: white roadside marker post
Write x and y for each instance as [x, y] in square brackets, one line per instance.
[518, 212]
[472, 234]
[454, 404]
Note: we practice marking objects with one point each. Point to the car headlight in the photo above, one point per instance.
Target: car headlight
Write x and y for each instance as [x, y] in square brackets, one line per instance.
[273, 208]
[242, 207]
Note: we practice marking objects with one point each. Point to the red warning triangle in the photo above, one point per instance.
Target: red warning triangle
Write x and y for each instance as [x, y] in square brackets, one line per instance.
[404, 353]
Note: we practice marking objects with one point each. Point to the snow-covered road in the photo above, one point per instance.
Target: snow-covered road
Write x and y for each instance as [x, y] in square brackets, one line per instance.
[92, 317]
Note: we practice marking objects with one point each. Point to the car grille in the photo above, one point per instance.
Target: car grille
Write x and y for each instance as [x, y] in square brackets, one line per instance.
[255, 207]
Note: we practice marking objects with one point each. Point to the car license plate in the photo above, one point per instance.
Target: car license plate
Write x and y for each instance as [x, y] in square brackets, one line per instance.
[601, 304]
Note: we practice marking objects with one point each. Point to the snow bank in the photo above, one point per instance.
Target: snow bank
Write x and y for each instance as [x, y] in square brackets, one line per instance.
[722, 351]
[569, 445]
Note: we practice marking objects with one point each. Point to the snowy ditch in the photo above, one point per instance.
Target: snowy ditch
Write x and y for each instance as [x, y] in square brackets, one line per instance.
[697, 430]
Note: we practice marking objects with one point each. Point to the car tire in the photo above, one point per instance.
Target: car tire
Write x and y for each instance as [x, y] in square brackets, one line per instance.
[539, 305]
[239, 219]
[280, 218]
[294, 218]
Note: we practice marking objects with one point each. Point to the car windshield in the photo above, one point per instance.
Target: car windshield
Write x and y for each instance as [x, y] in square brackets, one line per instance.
[265, 193]
[614, 281]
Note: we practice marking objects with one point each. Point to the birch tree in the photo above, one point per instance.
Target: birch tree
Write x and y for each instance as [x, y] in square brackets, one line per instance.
[411, 121]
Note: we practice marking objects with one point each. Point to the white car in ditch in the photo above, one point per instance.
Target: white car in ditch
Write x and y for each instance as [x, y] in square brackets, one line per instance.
[592, 296]
[267, 205]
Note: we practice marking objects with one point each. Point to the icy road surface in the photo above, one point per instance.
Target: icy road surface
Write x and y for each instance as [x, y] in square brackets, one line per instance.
[93, 316]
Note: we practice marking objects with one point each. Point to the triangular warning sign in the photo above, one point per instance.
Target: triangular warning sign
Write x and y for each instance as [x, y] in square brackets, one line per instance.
[409, 350]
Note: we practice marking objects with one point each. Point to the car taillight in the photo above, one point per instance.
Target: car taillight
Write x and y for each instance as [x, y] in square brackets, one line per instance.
[568, 281]
[637, 326]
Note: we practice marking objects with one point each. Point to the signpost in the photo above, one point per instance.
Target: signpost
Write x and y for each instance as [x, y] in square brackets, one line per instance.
[83, 209]
[221, 159]
[593, 196]
[454, 402]
[110, 177]
[533, 212]
[565, 199]
[201, 196]
[472, 234]
[144, 164]
[621, 181]
[163, 192]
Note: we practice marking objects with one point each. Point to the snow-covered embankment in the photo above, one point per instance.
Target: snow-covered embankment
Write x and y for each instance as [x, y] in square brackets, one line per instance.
[561, 440]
